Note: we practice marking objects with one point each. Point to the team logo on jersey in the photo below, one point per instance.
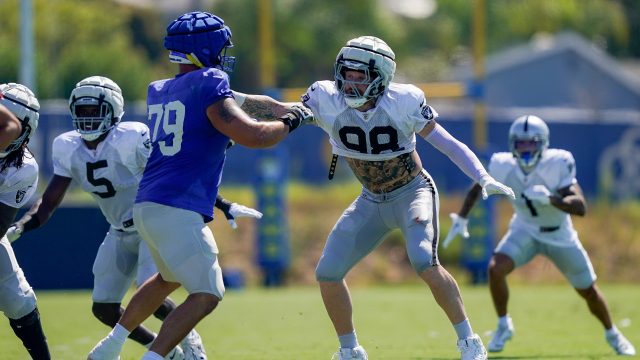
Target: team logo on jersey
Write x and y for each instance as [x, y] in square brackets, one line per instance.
[427, 111]
[305, 98]
[20, 196]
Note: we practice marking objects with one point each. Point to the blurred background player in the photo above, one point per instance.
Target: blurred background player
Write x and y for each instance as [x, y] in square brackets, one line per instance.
[192, 116]
[18, 182]
[106, 158]
[373, 123]
[548, 193]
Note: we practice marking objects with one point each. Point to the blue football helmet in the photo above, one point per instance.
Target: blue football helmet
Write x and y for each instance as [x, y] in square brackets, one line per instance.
[21, 101]
[203, 38]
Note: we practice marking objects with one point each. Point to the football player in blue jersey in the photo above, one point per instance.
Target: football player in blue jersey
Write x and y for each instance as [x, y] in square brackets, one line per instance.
[192, 117]
[19, 179]
[106, 158]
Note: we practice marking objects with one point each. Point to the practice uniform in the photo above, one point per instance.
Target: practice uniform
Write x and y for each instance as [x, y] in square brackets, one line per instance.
[17, 299]
[382, 133]
[111, 174]
[180, 183]
[542, 229]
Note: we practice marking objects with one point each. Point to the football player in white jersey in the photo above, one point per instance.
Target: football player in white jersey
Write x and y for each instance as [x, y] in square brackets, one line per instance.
[106, 158]
[547, 194]
[18, 182]
[372, 123]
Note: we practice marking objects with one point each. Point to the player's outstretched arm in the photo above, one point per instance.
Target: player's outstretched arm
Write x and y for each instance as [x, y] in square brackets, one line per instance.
[461, 219]
[41, 210]
[234, 210]
[10, 127]
[465, 159]
[263, 107]
[226, 116]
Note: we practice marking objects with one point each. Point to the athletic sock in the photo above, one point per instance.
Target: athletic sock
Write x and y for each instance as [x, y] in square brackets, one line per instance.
[503, 321]
[463, 329]
[119, 333]
[348, 341]
[29, 329]
[611, 332]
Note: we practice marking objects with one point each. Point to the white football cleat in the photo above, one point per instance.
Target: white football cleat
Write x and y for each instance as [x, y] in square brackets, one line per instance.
[106, 349]
[472, 348]
[192, 347]
[356, 353]
[175, 354]
[620, 344]
[501, 336]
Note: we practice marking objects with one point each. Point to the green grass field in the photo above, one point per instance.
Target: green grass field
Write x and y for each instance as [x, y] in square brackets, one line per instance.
[395, 322]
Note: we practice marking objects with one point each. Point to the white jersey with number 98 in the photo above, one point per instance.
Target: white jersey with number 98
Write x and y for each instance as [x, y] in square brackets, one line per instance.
[382, 133]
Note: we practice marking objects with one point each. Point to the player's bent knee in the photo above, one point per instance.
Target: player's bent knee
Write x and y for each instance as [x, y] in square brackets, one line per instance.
[107, 313]
[326, 272]
[17, 305]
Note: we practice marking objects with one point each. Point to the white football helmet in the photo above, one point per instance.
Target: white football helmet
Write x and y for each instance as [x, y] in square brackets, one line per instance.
[96, 106]
[528, 128]
[374, 58]
[25, 106]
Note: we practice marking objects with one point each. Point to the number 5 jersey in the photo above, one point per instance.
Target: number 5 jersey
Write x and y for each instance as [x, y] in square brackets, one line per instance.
[111, 172]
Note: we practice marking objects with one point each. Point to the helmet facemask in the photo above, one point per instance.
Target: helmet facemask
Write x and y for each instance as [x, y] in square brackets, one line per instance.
[350, 88]
[373, 58]
[96, 106]
[92, 117]
[528, 139]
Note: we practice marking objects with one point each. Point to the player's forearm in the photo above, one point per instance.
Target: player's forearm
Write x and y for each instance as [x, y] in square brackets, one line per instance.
[30, 219]
[263, 107]
[572, 204]
[470, 200]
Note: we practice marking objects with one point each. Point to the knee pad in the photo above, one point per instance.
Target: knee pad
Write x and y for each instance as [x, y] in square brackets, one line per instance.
[164, 309]
[107, 313]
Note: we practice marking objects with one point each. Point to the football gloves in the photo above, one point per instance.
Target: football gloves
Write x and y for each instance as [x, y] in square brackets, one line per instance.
[539, 194]
[237, 210]
[298, 115]
[492, 187]
[458, 226]
[13, 232]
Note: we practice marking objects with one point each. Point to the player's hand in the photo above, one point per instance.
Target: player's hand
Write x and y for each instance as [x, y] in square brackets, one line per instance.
[237, 210]
[458, 226]
[298, 115]
[13, 232]
[492, 187]
[538, 193]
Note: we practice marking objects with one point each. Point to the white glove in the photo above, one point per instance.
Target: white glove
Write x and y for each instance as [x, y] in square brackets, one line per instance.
[492, 187]
[237, 210]
[458, 226]
[14, 232]
[538, 193]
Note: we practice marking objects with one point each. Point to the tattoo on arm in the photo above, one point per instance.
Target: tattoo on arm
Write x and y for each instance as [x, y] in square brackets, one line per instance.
[264, 108]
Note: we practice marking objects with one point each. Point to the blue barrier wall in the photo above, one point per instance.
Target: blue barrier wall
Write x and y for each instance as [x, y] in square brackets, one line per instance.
[60, 254]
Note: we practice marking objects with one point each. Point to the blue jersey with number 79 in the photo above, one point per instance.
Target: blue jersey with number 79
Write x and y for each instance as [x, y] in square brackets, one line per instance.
[187, 156]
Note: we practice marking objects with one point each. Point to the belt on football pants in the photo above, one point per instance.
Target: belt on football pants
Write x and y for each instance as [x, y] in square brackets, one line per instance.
[549, 228]
[125, 225]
